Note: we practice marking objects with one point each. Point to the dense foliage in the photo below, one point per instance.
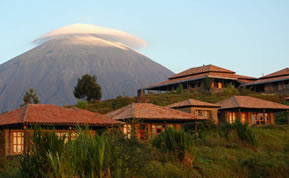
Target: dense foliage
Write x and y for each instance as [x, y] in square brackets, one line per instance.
[87, 88]
[221, 152]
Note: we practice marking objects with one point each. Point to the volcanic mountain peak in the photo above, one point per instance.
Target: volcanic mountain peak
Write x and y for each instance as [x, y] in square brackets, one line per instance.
[61, 57]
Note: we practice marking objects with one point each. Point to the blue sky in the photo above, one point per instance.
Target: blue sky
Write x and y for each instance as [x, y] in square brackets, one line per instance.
[250, 37]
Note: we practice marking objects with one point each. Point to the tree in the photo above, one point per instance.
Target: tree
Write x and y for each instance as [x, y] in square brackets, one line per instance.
[30, 97]
[207, 84]
[87, 88]
[180, 89]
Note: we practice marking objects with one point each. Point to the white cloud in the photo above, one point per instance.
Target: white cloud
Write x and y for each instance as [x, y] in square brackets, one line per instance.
[108, 34]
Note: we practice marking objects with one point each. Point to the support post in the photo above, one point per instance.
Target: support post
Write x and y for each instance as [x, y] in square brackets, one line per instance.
[265, 122]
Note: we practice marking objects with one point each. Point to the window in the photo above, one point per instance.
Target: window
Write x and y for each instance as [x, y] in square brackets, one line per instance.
[61, 135]
[17, 142]
[157, 129]
[73, 135]
[243, 117]
[232, 117]
[220, 85]
[260, 119]
[206, 114]
[127, 130]
[203, 113]
[217, 84]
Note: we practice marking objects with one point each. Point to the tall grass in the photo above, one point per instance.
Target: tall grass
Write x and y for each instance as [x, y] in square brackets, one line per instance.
[111, 154]
[243, 132]
[174, 141]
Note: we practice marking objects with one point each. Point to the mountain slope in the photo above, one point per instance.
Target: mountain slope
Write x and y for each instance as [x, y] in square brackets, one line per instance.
[53, 67]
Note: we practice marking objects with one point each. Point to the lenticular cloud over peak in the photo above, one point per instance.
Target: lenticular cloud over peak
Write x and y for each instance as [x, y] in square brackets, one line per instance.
[93, 33]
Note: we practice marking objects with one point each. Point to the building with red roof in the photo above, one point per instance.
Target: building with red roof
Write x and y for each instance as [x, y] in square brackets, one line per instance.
[198, 108]
[16, 124]
[277, 82]
[195, 79]
[251, 110]
[146, 120]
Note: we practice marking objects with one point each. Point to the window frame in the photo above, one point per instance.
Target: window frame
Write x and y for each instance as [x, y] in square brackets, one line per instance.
[17, 148]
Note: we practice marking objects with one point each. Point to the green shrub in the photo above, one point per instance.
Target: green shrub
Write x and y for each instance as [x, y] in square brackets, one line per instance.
[173, 141]
[35, 162]
[200, 128]
[231, 90]
[180, 89]
[109, 154]
[281, 118]
[243, 132]
[82, 104]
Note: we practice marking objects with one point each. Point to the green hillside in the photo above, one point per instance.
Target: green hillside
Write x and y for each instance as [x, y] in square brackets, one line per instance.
[169, 98]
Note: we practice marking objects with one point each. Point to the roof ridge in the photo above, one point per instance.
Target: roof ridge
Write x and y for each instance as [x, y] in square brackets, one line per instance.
[237, 102]
[118, 111]
[25, 113]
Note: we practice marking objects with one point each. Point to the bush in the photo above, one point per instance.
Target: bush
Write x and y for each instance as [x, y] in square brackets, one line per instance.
[231, 90]
[35, 162]
[173, 141]
[109, 154]
[82, 104]
[180, 89]
[243, 131]
[200, 128]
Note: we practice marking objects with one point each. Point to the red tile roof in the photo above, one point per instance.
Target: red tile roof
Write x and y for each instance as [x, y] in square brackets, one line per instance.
[268, 80]
[192, 102]
[201, 69]
[229, 76]
[45, 114]
[147, 111]
[250, 103]
[277, 74]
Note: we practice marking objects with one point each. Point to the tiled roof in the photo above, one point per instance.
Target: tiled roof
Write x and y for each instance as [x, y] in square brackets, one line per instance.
[228, 76]
[147, 111]
[250, 103]
[201, 69]
[192, 102]
[44, 114]
[268, 80]
[277, 74]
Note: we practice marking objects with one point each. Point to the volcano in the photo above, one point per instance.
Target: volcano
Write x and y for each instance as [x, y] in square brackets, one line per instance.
[64, 55]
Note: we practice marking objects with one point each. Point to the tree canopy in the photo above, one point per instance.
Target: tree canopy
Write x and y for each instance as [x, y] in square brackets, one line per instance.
[30, 97]
[87, 88]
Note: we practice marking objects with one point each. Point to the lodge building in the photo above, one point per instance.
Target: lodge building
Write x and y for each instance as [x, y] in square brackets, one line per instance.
[277, 82]
[196, 79]
[250, 110]
[16, 126]
[145, 120]
[198, 108]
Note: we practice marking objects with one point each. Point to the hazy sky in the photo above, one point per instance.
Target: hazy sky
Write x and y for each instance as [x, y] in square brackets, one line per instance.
[250, 37]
